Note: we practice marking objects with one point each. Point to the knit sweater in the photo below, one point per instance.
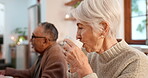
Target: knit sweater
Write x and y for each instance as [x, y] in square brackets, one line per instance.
[120, 61]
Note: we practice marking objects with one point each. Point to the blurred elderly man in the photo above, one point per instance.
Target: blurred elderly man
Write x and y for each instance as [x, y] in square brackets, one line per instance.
[50, 63]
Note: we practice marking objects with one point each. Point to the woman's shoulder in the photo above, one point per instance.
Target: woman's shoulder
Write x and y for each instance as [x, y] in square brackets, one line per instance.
[132, 55]
[133, 52]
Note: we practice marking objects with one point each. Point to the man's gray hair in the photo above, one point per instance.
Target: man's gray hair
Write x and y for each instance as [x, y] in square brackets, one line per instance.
[50, 30]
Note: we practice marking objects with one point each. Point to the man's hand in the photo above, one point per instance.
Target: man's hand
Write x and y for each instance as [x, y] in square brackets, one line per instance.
[2, 72]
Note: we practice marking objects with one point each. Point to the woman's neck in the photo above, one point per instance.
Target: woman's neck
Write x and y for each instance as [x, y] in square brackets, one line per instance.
[107, 44]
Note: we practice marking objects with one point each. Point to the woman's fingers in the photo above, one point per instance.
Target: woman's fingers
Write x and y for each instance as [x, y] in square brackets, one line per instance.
[71, 59]
[73, 69]
[66, 47]
[69, 42]
[73, 53]
[72, 62]
[74, 56]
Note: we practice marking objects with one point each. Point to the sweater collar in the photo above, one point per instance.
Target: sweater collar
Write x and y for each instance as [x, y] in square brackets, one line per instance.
[45, 51]
[113, 51]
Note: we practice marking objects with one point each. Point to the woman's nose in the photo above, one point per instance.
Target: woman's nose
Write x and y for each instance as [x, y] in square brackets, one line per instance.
[78, 35]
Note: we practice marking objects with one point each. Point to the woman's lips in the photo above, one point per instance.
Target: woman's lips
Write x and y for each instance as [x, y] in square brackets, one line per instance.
[84, 45]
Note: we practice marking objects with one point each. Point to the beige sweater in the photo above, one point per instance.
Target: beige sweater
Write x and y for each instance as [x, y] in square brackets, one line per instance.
[120, 61]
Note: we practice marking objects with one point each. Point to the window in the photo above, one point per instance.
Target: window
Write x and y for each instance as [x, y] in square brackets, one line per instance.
[135, 21]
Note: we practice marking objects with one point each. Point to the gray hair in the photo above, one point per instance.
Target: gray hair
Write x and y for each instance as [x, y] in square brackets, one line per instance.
[95, 11]
[50, 30]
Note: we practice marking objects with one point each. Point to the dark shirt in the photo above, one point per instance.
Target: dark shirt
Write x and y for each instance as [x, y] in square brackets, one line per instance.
[37, 69]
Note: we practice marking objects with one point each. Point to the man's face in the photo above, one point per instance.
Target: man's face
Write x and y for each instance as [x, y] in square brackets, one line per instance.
[38, 40]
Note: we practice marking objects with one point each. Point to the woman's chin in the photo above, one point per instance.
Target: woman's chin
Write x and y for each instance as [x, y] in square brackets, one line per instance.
[89, 50]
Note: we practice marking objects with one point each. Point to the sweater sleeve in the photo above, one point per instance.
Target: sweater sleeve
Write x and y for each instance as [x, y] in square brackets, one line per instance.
[92, 75]
[27, 73]
[72, 75]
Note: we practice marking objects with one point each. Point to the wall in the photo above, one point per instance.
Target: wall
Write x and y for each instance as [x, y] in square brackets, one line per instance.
[120, 33]
[2, 18]
[56, 16]
[31, 2]
[16, 16]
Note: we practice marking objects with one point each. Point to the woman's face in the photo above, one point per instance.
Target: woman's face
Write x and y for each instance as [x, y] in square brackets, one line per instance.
[91, 40]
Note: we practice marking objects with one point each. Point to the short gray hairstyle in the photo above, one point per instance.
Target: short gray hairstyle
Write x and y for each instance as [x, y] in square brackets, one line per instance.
[95, 11]
[50, 30]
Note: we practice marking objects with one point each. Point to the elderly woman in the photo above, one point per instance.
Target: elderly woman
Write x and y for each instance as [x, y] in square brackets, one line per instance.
[97, 23]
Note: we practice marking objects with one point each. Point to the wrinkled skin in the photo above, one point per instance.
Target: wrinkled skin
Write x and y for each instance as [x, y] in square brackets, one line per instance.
[92, 41]
[78, 64]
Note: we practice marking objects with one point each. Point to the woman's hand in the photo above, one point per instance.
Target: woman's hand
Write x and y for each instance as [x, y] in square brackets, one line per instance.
[77, 59]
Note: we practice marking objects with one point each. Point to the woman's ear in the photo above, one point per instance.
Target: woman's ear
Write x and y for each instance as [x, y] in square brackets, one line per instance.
[105, 28]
